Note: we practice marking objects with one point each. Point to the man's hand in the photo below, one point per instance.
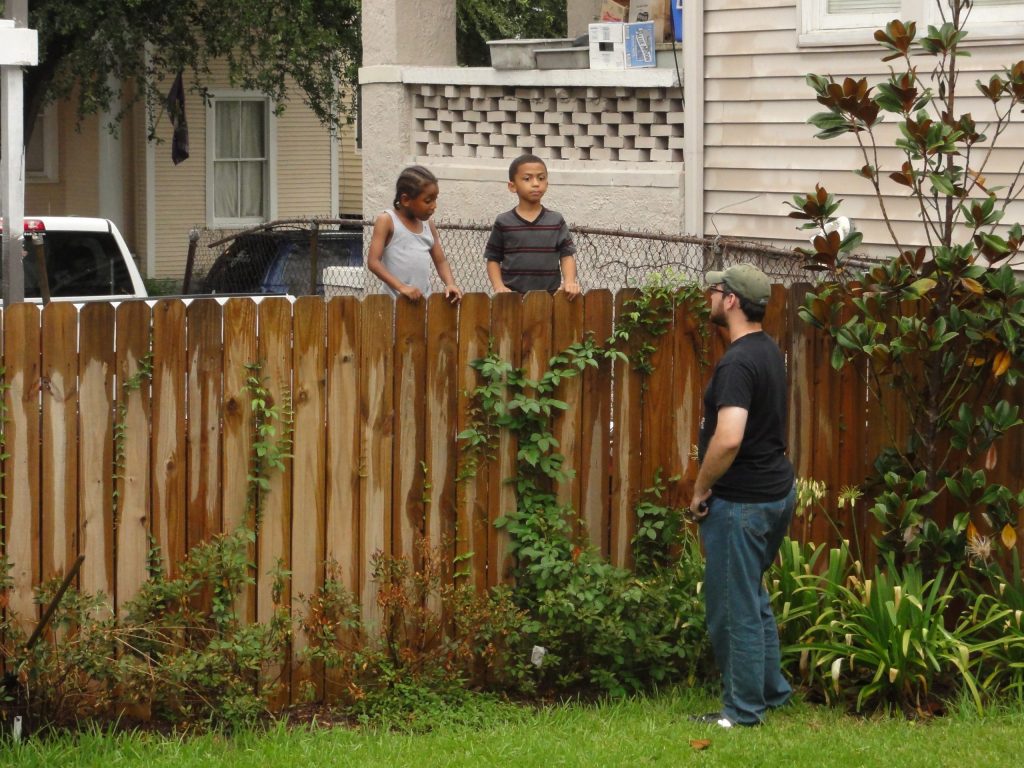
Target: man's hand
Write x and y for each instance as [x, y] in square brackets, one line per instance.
[698, 508]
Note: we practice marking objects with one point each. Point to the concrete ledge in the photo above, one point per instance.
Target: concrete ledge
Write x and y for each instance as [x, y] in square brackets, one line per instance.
[629, 78]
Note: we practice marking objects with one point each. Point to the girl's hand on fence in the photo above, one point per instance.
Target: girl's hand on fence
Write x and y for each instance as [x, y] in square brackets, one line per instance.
[502, 289]
[411, 292]
[453, 293]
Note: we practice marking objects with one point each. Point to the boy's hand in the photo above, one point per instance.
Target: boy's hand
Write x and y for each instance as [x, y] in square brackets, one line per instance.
[453, 293]
[502, 289]
[411, 292]
[571, 289]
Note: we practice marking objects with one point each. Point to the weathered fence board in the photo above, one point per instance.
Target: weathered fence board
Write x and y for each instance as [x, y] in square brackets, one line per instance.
[377, 410]
[595, 419]
[22, 502]
[205, 367]
[409, 457]
[273, 538]
[626, 442]
[96, 449]
[471, 493]
[240, 354]
[440, 402]
[507, 330]
[132, 475]
[567, 329]
[308, 472]
[59, 388]
[169, 449]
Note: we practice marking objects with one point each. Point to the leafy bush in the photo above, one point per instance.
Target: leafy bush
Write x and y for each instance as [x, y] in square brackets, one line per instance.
[434, 638]
[178, 651]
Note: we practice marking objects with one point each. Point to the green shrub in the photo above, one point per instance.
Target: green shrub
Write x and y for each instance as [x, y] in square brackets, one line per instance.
[993, 624]
[435, 638]
[883, 641]
[177, 651]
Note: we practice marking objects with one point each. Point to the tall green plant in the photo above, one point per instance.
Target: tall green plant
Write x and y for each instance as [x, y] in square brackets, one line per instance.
[942, 321]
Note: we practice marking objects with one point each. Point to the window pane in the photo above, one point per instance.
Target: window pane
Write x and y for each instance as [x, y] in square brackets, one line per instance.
[253, 113]
[863, 6]
[252, 189]
[225, 190]
[227, 119]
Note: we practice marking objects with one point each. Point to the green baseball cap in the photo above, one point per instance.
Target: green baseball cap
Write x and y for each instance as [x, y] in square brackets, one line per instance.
[745, 280]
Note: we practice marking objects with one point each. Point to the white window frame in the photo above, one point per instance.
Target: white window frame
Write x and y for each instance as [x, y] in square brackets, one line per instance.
[270, 171]
[46, 131]
[818, 28]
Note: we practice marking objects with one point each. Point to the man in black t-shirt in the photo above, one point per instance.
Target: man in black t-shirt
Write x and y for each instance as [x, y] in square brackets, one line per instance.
[743, 497]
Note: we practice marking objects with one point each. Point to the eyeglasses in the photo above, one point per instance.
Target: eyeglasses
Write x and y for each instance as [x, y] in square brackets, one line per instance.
[716, 289]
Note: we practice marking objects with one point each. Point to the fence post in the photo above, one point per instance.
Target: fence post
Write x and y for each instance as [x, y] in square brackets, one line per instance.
[190, 260]
[313, 247]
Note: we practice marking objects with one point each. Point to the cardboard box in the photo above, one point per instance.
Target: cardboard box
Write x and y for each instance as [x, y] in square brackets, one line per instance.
[658, 11]
[639, 42]
[622, 46]
[614, 10]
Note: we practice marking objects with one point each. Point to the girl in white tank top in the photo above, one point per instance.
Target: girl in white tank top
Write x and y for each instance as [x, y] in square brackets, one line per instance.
[405, 240]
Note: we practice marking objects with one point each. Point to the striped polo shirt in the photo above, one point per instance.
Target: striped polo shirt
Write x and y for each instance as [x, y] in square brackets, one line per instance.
[529, 252]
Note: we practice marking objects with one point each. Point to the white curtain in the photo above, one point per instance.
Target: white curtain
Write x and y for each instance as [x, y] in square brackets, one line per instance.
[239, 159]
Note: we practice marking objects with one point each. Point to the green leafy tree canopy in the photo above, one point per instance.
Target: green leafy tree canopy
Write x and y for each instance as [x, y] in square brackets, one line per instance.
[89, 48]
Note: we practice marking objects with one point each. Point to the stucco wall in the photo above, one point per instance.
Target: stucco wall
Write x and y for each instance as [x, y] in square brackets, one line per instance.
[612, 141]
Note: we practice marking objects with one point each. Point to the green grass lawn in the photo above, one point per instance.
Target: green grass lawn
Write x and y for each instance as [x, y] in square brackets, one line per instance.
[638, 732]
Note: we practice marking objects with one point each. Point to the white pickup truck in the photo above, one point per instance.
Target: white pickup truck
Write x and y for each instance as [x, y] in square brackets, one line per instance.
[86, 260]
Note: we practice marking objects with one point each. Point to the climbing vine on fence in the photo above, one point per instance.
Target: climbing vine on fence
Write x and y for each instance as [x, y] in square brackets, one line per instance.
[601, 625]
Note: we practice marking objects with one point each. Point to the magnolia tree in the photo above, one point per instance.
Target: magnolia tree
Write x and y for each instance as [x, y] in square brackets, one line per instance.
[938, 326]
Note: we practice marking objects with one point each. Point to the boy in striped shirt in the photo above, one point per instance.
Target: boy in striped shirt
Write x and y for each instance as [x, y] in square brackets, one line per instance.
[530, 248]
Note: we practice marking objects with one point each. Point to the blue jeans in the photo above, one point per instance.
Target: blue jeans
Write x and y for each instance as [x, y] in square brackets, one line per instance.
[740, 542]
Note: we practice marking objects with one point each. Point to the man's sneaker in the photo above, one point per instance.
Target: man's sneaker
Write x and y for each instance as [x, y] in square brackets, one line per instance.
[713, 718]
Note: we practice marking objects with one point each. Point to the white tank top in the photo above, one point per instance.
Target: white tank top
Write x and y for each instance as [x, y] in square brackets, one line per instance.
[407, 255]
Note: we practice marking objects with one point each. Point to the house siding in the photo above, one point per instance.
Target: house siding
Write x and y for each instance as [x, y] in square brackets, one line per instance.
[303, 164]
[350, 173]
[759, 148]
[180, 190]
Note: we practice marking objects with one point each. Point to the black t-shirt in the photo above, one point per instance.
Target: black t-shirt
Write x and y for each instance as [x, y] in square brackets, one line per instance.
[751, 375]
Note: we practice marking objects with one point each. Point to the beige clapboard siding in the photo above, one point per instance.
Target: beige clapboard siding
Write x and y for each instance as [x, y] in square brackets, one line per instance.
[180, 190]
[758, 143]
[350, 173]
[303, 163]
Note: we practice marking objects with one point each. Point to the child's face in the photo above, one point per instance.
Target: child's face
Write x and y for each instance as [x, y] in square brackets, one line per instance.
[423, 205]
[530, 182]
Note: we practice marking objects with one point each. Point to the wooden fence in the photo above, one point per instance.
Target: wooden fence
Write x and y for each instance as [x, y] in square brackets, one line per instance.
[379, 393]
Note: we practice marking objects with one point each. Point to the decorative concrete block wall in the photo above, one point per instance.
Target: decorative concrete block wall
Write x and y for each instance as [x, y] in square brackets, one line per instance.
[581, 123]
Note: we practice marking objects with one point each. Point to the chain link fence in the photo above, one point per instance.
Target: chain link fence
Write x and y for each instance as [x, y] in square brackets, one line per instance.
[328, 256]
